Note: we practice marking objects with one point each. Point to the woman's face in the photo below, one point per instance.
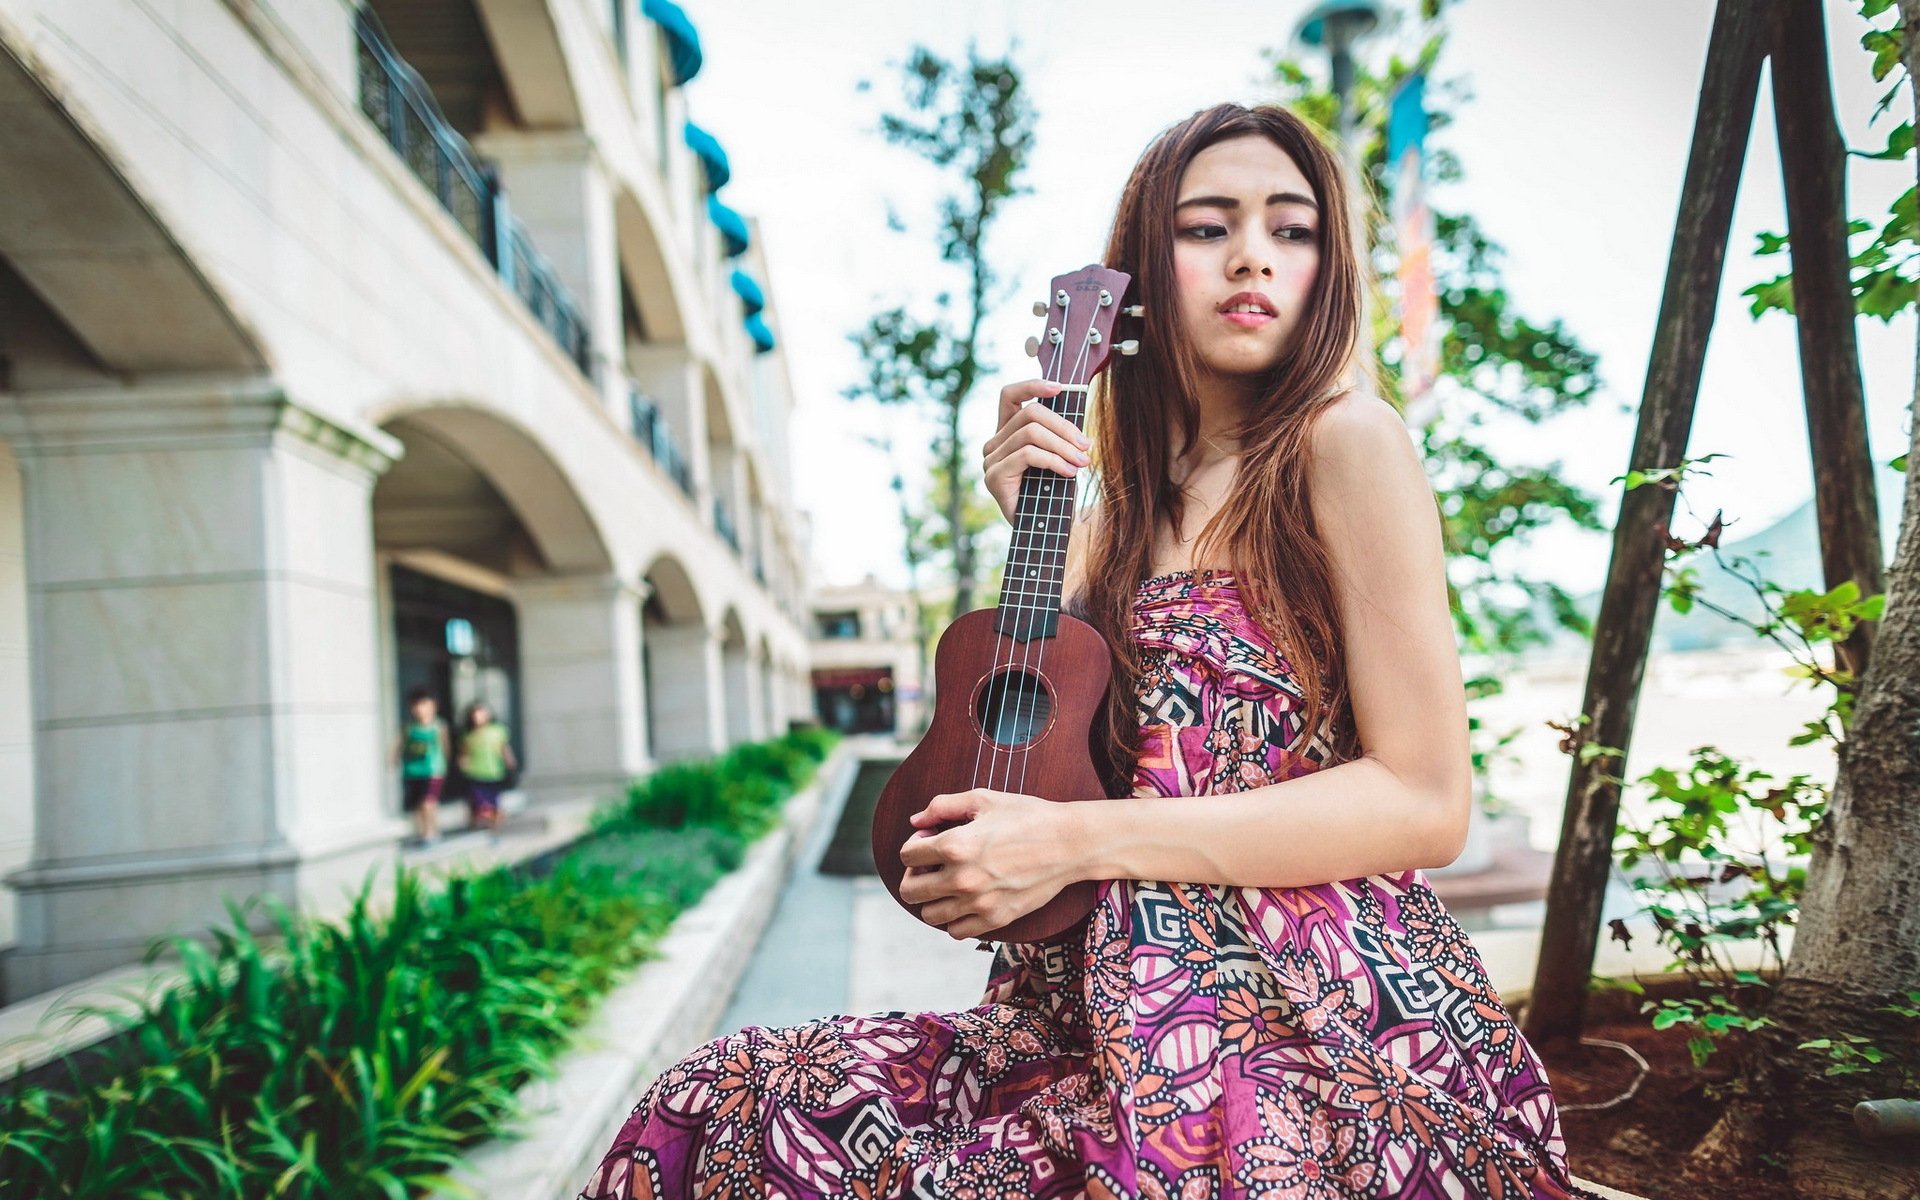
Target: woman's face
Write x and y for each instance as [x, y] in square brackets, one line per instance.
[1247, 234]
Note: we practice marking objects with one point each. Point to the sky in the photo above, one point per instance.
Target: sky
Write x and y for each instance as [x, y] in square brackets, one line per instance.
[1574, 146]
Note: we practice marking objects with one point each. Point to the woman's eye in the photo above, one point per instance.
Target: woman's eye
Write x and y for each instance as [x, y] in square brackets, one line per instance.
[1296, 233]
[1205, 233]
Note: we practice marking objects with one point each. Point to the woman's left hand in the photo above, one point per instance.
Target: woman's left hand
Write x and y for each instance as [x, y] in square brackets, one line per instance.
[1004, 855]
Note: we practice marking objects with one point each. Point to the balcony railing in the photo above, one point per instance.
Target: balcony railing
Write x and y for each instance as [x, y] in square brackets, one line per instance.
[397, 101]
[723, 524]
[650, 430]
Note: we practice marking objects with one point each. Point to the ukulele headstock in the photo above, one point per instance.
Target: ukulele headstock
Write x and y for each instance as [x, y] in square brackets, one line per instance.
[1080, 311]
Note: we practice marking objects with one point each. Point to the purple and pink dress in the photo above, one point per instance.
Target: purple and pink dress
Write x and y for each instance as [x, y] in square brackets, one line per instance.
[1192, 1042]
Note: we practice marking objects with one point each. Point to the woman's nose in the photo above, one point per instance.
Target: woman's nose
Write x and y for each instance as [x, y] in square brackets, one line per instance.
[1249, 258]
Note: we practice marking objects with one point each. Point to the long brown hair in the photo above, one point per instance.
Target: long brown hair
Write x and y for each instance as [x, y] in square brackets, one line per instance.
[1281, 567]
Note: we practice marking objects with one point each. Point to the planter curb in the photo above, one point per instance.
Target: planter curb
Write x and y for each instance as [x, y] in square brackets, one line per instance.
[668, 1006]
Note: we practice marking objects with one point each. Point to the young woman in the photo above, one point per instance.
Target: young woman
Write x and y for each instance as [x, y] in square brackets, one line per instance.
[1269, 1000]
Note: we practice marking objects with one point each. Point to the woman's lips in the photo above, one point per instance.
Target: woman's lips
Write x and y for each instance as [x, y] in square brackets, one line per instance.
[1250, 320]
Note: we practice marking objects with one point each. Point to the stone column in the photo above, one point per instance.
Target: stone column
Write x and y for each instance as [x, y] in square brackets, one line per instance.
[560, 191]
[583, 707]
[670, 374]
[743, 694]
[768, 672]
[16, 699]
[205, 694]
[689, 720]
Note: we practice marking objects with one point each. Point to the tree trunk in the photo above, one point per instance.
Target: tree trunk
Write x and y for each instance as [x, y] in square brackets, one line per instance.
[957, 512]
[1813, 167]
[1858, 942]
[1556, 1011]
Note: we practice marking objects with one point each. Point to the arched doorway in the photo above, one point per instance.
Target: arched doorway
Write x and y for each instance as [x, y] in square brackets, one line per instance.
[498, 588]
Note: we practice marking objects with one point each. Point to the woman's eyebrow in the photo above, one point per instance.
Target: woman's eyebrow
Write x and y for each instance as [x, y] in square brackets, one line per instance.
[1230, 202]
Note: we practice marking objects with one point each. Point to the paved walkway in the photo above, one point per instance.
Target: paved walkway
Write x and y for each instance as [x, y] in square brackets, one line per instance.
[839, 945]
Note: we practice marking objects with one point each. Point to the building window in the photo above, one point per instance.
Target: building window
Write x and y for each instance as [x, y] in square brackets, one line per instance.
[839, 624]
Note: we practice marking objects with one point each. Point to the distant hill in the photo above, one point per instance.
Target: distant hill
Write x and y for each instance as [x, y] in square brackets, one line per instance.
[1787, 552]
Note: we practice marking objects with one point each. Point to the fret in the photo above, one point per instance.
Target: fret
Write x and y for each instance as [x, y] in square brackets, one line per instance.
[1048, 504]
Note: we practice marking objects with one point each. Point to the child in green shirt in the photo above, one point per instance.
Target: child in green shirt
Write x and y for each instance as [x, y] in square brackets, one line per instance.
[421, 754]
[486, 759]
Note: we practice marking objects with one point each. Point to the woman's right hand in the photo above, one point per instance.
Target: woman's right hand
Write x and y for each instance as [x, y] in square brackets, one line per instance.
[1030, 435]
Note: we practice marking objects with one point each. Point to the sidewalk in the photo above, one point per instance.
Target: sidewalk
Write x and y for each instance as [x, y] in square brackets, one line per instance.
[841, 945]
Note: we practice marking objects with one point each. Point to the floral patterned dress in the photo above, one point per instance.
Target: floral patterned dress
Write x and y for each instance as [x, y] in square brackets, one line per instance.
[1192, 1042]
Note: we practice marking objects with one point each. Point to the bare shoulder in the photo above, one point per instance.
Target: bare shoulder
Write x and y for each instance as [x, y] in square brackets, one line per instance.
[1357, 428]
[1364, 465]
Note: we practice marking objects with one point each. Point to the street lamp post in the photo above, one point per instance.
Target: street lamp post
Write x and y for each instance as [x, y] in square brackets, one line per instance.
[1337, 25]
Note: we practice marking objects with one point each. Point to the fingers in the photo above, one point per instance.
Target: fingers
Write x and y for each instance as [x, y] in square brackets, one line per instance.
[1030, 435]
[948, 807]
[927, 887]
[917, 851]
[1015, 395]
[1021, 414]
[967, 927]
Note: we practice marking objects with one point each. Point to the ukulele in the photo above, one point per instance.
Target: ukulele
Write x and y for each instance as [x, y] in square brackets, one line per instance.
[1021, 685]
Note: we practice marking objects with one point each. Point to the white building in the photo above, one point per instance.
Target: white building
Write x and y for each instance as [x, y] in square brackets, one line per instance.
[346, 348]
[866, 660]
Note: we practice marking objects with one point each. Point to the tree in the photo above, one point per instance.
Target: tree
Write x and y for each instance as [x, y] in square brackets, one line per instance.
[972, 121]
[1842, 1024]
[1496, 365]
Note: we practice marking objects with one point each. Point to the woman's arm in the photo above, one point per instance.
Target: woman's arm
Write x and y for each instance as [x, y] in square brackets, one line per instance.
[1403, 804]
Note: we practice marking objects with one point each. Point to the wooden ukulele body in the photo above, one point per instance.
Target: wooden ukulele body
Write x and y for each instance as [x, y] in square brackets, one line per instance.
[1043, 694]
[1021, 686]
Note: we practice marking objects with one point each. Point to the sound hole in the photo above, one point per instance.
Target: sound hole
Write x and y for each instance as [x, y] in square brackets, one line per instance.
[1013, 708]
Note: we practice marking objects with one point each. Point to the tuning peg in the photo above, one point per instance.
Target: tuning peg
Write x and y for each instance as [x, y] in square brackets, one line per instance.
[1135, 310]
[1033, 347]
[1128, 347]
[1039, 308]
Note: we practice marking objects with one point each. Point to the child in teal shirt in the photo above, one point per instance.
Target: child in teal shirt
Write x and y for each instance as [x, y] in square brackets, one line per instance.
[421, 754]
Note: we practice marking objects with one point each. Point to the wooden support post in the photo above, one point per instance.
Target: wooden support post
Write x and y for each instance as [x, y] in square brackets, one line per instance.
[1742, 34]
[1813, 165]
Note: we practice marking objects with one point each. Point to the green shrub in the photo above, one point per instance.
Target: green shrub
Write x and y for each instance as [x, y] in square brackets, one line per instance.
[352, 1058]
[358, 1056]
[674, 795]
[813, 741]
[778, 760]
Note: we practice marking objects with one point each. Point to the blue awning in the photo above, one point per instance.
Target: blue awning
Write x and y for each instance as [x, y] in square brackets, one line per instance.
[749, 292]
[758, 331]
[712, 158]
[683, 40]
[733, 226]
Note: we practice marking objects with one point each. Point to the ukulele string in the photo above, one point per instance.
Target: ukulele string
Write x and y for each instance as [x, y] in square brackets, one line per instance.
[1062, 506]
[1043, 478]
[1002, 678]
[1020, 619]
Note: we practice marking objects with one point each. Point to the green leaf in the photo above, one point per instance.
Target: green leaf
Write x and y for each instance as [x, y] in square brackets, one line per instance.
[1899, 143]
